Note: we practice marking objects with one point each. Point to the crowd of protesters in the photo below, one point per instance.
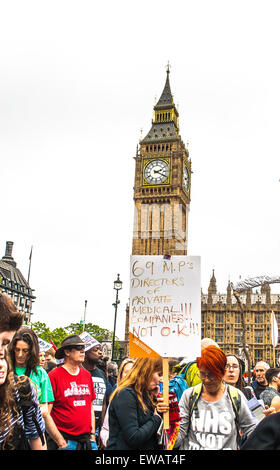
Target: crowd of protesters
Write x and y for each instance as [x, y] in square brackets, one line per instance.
[72, 398]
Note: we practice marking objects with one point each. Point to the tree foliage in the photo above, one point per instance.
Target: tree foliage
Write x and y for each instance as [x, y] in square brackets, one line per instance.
[94, 330]
[57, 334]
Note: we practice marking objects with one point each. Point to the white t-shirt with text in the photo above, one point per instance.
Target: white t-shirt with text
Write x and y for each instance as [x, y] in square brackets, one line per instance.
[214, 426]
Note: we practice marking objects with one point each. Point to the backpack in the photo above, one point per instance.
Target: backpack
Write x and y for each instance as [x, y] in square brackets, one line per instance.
[178, 384]
[232, 392]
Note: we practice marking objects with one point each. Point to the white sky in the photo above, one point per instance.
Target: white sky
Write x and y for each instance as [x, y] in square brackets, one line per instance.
[78, 80]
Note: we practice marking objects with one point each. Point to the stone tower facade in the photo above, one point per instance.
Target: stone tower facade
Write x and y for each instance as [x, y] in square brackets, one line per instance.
[162, 184]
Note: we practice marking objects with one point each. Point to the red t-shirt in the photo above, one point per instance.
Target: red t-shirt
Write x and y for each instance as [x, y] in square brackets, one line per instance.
[73, 396]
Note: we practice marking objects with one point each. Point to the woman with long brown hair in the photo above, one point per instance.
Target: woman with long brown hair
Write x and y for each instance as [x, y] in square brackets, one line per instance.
[17, 428]
[233, 375]
[24, 352]
[134, 413]
[124, 368]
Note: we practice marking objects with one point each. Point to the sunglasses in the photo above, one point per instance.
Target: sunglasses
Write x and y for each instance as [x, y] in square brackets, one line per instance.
[78, 347]
[204, 375]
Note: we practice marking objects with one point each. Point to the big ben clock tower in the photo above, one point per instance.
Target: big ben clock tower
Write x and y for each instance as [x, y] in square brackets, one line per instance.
[162, 184]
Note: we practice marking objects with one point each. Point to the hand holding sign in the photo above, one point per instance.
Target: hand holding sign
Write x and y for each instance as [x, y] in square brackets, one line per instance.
[165, 310]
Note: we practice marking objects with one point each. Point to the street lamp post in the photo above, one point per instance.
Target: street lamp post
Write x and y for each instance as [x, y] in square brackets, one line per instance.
[117, 287]
[84, 322]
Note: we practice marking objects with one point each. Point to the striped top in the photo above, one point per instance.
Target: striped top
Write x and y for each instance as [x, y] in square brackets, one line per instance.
[27, 424]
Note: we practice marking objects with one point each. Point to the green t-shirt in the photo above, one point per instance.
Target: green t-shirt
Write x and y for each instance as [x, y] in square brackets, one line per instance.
[41, 381]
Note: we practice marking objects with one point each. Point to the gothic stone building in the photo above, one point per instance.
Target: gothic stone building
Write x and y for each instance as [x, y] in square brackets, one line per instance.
[221, 321]
[14, 284]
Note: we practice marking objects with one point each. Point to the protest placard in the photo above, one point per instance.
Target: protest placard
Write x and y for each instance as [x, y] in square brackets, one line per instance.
[89, 340]
[165, 306]
[44, 345]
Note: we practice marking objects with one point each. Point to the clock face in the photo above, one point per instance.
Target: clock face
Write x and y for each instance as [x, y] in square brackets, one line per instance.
[156, 172]
[186, 178]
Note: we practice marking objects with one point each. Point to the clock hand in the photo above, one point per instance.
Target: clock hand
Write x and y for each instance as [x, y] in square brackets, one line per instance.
[158, 171]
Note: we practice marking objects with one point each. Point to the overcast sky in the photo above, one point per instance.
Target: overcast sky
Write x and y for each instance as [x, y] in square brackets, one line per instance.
[78, 81]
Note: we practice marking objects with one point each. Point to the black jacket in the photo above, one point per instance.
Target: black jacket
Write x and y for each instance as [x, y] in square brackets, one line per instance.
[266, 435]
[130, 428]
[258, 388]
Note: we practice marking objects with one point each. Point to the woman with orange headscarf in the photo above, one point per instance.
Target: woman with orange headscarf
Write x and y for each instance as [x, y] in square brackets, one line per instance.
[213, 413]
[134, 412]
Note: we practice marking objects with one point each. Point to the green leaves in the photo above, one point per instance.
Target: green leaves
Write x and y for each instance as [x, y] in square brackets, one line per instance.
[57, 335]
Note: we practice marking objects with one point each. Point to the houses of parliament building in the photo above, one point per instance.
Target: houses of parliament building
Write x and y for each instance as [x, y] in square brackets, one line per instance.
[162, 195]
[221, 320]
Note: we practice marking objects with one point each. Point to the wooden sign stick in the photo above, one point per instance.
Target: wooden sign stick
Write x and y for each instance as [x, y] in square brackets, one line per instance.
[165, 369]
